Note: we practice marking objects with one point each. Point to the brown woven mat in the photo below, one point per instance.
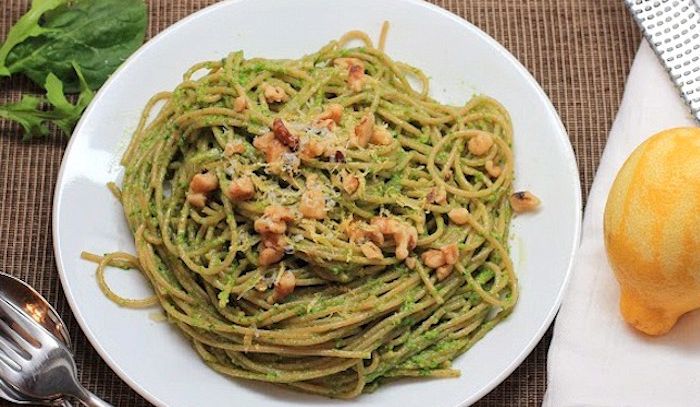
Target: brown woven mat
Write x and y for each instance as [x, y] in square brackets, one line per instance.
[579, 51]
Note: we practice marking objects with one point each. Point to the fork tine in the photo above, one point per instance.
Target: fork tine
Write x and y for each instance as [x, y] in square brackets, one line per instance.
[35, 332]
[8, 372]
[7, 359]
[13, 336]
[11, 349]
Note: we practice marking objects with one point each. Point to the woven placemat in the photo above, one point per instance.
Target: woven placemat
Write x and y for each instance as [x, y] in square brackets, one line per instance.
[579, 51]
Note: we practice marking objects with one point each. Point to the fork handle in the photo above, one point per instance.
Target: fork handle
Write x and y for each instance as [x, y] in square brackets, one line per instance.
[90, 400]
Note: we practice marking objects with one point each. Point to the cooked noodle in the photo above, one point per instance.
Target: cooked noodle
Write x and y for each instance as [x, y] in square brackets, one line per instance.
[366, 305]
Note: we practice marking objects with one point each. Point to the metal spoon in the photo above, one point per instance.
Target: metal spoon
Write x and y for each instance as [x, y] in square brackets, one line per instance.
[20, 293]
[23, 296]
[28, 315]
[34, 362]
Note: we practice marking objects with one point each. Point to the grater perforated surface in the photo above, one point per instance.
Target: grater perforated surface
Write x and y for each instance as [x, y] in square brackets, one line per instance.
[672, 27]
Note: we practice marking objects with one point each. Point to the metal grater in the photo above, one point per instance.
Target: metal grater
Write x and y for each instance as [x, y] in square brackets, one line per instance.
[672, 27]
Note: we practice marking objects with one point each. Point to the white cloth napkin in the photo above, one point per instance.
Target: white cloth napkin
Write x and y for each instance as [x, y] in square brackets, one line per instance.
[595, 358]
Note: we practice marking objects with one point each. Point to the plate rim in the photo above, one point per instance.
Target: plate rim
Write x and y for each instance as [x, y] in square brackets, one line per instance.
[570, 158]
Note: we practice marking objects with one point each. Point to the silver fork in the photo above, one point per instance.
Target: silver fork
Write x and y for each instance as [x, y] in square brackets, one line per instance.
[8, 393]
[35, 363]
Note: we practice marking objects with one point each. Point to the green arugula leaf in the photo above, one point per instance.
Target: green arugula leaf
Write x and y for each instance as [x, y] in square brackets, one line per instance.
[98, 35]
[69, 113]
[27, 26]
[28, 113]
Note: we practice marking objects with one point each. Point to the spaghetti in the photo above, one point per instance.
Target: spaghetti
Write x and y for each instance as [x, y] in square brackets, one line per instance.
[319, 223]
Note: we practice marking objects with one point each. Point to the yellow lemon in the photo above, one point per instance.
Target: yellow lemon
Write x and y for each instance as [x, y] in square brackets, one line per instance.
[652, 230]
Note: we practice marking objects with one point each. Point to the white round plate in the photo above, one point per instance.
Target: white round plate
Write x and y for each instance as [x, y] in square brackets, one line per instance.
[150, 355]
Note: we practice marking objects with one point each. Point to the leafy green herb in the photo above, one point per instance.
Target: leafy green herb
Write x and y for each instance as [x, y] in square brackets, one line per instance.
[29, 114]
[68, 113]
[431, 335]
[408, 321]
[408, 303]
[300, 310]
[26, 27]
[54, 34]
[68, 46]
[393, 186]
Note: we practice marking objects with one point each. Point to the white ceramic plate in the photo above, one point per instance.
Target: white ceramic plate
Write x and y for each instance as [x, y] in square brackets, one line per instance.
[460, 59]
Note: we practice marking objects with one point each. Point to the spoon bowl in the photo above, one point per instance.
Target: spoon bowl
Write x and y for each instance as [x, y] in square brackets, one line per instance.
[20, 294]
[36, 366]
[24, 297]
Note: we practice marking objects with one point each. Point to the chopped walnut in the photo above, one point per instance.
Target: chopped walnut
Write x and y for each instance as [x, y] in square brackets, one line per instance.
[443, 272]
[270, 146]
[411, 263]
[387, 226]
[272, 240]
[313, 204]
[240, 104]
[405, 236]
[524, 201]
[363, 131]
[381, 136]
[360, 232]
[270, 256]
[233, 148]
[274, 220]
[284, 285]
[333, 112]
[433, 258]
[274, 94]
[356, 72]
[451, 253]
[351, 183]
[284, 135]
[437, 195]
[271, 227]
[202, 183]
[337, 156]
[311, 148]
[271, 248]
[492, 169]
[371, 251]
[279, 213]
[373, 234]
[325, 123]
[267, 225]
[356, 78]
[405, 240]
[241, 189]
[437, 258]
[480, 144]
[196, 199]
[459, 216]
